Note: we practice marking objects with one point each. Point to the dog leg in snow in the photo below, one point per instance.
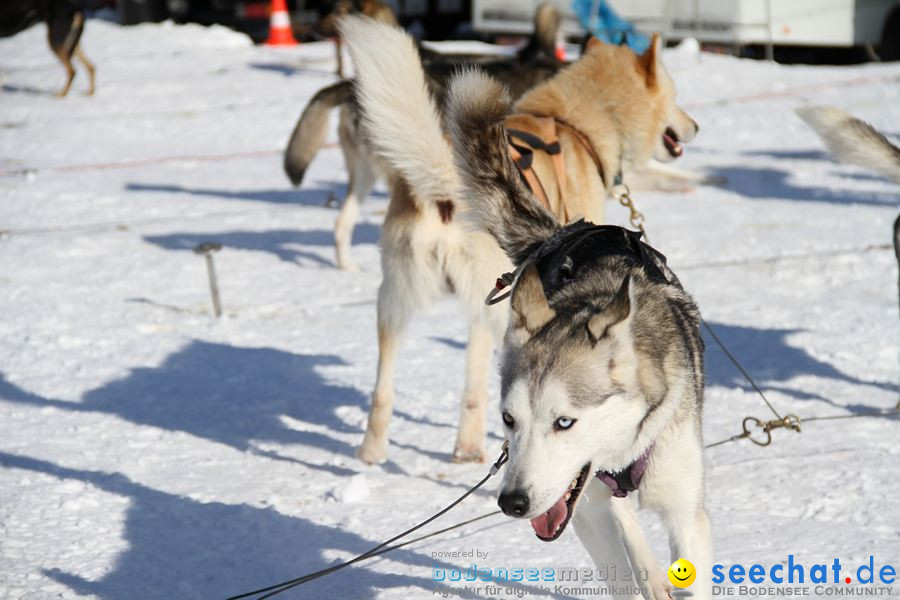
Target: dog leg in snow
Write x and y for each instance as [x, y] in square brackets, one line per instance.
[657, 585]
[374, 448]
[680, 500]
[673, 486]
[89, 66]
[897, 254]
[66, 60]
[657, 176]
[470, 440]
[362, 179]
[600, 533]
[405, 289]
[691, 538]
[393, 317]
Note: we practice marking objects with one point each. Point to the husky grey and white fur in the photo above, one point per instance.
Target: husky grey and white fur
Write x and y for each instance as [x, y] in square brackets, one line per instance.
[602, 365]
[853, 141]
[624, 105]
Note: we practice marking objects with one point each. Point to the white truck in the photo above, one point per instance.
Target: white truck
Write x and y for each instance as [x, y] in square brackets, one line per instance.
[835, 23]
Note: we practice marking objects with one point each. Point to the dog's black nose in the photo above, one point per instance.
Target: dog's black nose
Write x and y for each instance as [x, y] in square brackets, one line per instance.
[514, 504]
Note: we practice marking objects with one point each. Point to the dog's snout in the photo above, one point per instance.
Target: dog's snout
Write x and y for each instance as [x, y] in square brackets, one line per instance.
[514, 504]
[696, 127]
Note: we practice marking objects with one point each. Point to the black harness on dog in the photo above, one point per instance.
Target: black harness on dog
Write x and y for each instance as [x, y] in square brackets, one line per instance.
[557, 257]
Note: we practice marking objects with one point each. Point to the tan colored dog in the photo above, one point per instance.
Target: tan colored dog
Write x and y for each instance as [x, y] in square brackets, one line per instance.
[616, 110]
[613, 109]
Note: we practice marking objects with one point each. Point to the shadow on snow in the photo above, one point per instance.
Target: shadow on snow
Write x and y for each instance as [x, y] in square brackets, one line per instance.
[776, 184]
[286, 244]
[286, 195]
[769, 358]
[234, 396]
[181, 548]
[307, 196]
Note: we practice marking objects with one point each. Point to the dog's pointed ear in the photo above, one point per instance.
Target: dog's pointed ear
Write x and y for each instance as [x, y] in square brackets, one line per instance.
[648, 62]
[530, 307]
[617, 311]
[591, 41]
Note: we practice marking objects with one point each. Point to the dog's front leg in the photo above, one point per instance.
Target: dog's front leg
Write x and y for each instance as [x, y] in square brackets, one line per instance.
[362, 178]
[680, 499]
[601, 533]
[92, 72]
[391, 325]
[470, 440]
[649, 574]
[690, 537]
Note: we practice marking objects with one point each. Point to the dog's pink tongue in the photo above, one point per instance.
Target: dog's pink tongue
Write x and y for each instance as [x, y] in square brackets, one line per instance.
[674, 148]
[546, 524]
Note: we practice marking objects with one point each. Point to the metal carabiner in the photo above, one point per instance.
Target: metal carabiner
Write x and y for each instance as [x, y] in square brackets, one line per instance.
[504, 457]
[749, 434]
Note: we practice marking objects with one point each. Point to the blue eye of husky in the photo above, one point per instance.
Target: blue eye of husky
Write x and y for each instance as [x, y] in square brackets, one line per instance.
[507, 418]
[563, 423]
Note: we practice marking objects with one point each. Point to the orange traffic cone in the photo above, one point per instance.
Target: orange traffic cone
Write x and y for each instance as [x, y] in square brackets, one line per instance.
[280, 25]
[560, 50]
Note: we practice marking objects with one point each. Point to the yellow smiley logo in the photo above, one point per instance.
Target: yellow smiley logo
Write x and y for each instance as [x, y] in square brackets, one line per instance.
[682, 573]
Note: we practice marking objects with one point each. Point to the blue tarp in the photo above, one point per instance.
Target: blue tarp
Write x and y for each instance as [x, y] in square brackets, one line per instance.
[602, 21]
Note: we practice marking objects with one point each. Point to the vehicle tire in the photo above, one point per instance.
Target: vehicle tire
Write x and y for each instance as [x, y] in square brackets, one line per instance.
[890, 37]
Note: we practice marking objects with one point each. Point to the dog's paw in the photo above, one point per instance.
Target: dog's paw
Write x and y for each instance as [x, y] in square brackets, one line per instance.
[713, 180]
[462, 454]
[372, 452]
[349, 266]
[658, 587]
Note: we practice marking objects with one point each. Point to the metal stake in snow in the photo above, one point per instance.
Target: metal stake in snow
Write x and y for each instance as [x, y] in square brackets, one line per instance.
[206, 249]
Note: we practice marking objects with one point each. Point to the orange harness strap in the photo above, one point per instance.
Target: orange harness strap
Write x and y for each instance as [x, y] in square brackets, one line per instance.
[586, 143]
[521, 148]
[523, 160]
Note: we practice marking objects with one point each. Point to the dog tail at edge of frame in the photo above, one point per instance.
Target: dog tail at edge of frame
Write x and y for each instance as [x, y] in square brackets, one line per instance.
[503, 205]
[399, 113]
[853, 141]
[312, 128]
[542, 43]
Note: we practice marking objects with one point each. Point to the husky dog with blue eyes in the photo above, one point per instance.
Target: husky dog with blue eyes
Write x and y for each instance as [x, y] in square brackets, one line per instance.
[602, 369]
[602, 373]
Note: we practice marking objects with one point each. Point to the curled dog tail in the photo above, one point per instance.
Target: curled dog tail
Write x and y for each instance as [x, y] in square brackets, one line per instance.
[853, 141]
[542, 43]
[309, 134]
[503, 206]
[399, 113]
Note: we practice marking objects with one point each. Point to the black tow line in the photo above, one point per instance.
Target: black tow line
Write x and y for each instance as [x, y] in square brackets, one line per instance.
[384, 547]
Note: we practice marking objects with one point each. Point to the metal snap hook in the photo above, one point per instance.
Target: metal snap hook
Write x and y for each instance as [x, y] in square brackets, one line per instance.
[748, 433]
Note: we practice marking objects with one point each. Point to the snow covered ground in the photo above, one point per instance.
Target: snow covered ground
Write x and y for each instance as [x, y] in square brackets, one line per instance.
[148, 450]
